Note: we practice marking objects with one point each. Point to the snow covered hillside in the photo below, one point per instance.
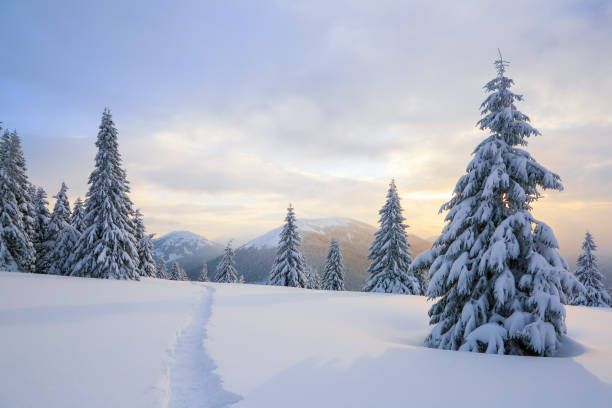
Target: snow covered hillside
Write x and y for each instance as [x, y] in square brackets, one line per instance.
[255, 259]
[189, 249]
[74, 342]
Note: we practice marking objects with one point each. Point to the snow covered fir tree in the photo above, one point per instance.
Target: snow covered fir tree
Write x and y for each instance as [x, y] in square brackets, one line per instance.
[588, 274]
[289, 268]
[78, 215]
[204, 274]
[389, 253]
[144, 242]
[162, 270]
[41, 225]
[225, 270]
[333, 275]
[17, 220]
[495, 271]
[313, 279]
[107, 248]
[177, 273]
[61, 236]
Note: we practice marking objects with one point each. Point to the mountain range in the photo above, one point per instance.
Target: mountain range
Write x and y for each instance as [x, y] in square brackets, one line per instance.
[254, 259]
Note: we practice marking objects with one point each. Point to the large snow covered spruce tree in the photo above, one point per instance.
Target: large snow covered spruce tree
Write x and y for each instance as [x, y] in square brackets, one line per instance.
[389, 252]
[289, 267]
[61, 236]
[225, 270]
[333, 275]
[495, 271]
[590, 277]
[107, 247]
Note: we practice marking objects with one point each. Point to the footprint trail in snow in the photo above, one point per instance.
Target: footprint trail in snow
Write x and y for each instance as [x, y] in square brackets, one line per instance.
[193, 384]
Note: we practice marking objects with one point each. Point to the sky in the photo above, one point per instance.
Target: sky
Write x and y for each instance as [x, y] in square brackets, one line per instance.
[228, 110]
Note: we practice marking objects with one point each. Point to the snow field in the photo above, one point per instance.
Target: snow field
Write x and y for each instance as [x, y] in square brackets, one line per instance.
[73, 342]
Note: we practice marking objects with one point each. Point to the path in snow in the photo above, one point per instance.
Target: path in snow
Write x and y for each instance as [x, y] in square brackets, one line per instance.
[193, 383]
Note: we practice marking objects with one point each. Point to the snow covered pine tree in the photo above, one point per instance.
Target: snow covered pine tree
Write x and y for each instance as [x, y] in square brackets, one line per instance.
[41, 224]
[204, 274]
[17, 252]
[590, 277]
[333, 276]
[225, 270]
[389, 252]
[78, 215]
[146, 265]
[107, 247]
[288, 268]
[162, 271]
[495, 269]
[177, 273]
[61, 236]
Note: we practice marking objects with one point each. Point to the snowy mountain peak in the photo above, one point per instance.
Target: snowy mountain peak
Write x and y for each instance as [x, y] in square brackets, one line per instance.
[312, 225]
[178, 245]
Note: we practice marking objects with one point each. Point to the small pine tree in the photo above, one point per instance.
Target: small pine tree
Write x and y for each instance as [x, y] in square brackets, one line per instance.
[495, 270]
[107, 247]
[162, 270]
[41, 226]
[389, 252]
[177, 273]
[61, 236]
[15, 207]
[333, 277]
[204, 274]
[226, 272]
[78, 215]
[313, 279]
[146, 265]
[289, 267]
[588, 274]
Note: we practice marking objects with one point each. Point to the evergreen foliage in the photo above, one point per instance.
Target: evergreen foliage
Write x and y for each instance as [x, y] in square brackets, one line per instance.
[61, 236]
[162, 270]
[225, 270]
[177, 273]
[389, 252]
[588, 274]
[313, 279]
[107, 247]
[289, 267]
[146, 265]
[78, 215]
[41, 225]
[495, 270]
[333, 276]
[204, 275]
[16, 209]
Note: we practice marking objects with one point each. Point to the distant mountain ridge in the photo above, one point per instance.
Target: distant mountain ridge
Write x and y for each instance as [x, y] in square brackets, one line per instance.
[190, 250]
[254, 259]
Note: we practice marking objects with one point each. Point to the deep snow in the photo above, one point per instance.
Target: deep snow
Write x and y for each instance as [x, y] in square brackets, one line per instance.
[73, 342]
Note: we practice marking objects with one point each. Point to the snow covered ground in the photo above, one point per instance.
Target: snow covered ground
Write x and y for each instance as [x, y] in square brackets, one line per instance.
[71, 342]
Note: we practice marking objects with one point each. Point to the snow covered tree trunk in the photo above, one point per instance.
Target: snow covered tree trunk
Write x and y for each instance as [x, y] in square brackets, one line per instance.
[333, 276]
[16, 208]
[41, 226]
[389, 252]
[61, 236]
[594, 294]
[289, 267]
[107, 247]
[495, 270]
[225, 270]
